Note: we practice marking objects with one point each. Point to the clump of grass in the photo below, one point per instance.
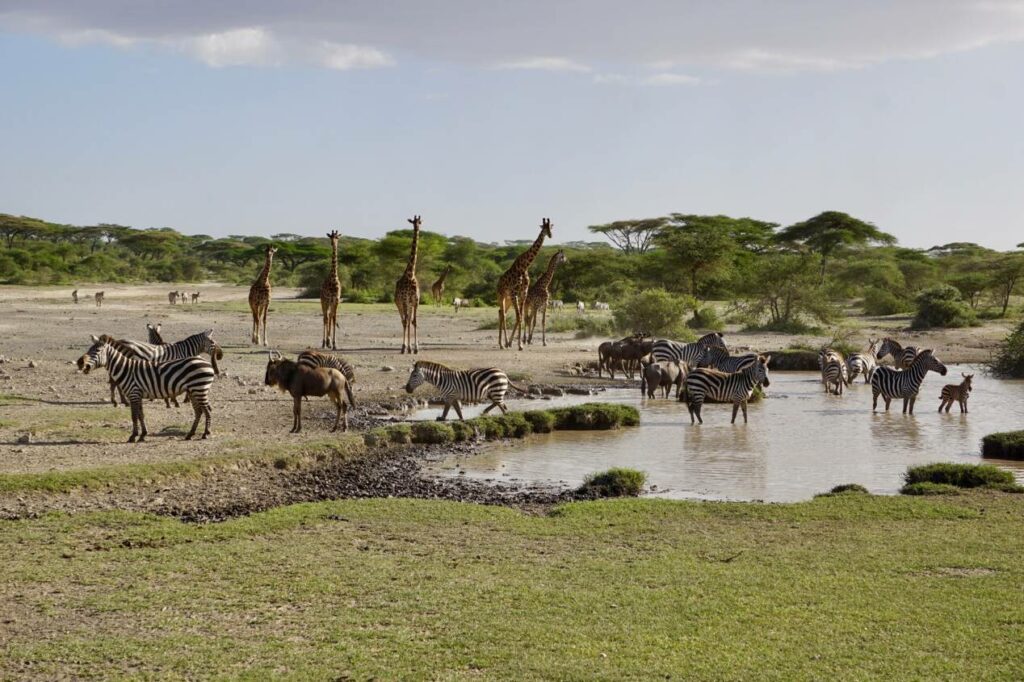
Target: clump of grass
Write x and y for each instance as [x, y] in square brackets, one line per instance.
[959, 475]
[376, 437]
[400, 434]
[616, 482]
[462, 431]
[595, 416]
[927, 488]
[542, 421]
[849, 488]
[516, 425]
[1005, 445]
[432, 433]
[491, 428]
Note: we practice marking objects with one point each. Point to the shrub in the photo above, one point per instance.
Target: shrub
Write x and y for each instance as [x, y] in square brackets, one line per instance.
[541, 421]
[706, 318]
[785, 327]
[491, 428]
[400, 434]
[595, 416]
[617, 482]
[515, 425]
[590, 326]
[942, 306]
[432, 433]
[656, 312]
[925, 488]
[881, 302]
[462, 431]
[959, 475]
[1005, 445]
[849, 488]
[1009, 359]
[377, 436]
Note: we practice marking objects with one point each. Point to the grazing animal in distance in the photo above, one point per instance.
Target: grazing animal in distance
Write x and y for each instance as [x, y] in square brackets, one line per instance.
[437, 288]
[601, 305]
[702, 385]
[863, 363]
[172, 297]
[956, 393]
[330, 296]
[74, 296]
[581, 307]
[138, 379]
[153, 333]
[461, 303]
[259, 298]
[300, 381]
[407, 294]
[195, 297]
[513, 288]
[458, 385]
[894, 383]
[99, 298]
[901, 357]
[183, 297]
[662, 375]
[537, 299]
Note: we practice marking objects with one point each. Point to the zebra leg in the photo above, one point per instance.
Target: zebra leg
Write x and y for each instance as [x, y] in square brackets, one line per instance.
[963, 405]
[888, 401]
[942, 403]
[197, 410]
[458, 410]
[744, 406]
[135, 408]
[874, 398]
[735, 409]
[444, 412]
[913, 400]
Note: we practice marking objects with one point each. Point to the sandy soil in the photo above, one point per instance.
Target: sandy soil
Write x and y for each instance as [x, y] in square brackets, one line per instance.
[73, 425]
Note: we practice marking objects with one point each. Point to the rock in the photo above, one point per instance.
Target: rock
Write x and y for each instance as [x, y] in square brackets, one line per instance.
[253, 391]
[552, 390]
[387, 368]
[25, 439]
[32, 363]
[579, 391]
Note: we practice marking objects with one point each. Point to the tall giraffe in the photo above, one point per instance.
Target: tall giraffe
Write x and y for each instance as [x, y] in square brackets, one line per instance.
[513, 286]
[330, 296]
[407, 295]
[537, 300]
[437, 289]
[259, 299]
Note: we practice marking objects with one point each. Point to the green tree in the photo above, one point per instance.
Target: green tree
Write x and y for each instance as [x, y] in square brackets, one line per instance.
[829, 232]
[631, 236]
[782, 288]
[699, 247]
[1007, 274]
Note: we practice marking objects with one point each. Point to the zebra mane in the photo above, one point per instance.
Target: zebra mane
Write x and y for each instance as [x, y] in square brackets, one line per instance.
[427, 364]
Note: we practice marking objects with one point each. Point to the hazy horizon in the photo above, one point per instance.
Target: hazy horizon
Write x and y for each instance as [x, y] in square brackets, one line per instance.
[310, 116]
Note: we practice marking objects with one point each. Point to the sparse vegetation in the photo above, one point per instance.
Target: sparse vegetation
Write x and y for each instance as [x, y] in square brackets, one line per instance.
[929, 488]
[616, 482]
[856, 488]
[1008, 362]
[595, 416]
[655, 312]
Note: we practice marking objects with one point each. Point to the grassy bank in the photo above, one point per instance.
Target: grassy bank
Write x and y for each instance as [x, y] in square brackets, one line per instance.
[883, 587]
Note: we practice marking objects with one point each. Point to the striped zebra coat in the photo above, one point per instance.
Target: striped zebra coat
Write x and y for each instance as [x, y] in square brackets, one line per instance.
[704, 385]
[834, 373]
[894, 383]
[901, 357]
[956, 393]
[314, 358]
[863, 363]
[717, 357]
[191, 346]
[665, 350]
[139, 379]
[458, 386]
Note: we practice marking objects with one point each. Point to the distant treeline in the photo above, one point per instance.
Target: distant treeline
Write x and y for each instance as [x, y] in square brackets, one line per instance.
[774, 274]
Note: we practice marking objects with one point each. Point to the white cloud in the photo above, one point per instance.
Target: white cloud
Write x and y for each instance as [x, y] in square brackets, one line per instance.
[345, 57]
[94, 36]
[545, 64]
[610, 78]
[239, 47]
[660, 79]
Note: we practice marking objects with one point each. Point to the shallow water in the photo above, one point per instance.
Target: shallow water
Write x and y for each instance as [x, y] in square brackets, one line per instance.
[799, 441]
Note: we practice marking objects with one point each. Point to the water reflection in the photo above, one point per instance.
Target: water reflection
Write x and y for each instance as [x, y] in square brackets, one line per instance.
[799, 442]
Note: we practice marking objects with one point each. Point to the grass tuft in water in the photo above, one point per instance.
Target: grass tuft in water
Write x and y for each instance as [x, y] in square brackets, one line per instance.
[959, 475]
[616, 482]
[927, 488]
[1005, 445]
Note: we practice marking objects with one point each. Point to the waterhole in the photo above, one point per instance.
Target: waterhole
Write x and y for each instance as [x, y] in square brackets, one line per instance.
[798, 442]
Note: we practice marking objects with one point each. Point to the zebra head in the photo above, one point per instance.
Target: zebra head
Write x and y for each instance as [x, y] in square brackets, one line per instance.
[888, 347]
[930, 362]
[966, 383]
[712, 356]
[712, 339]
[760, 370]
[96, 356]
[416, 378]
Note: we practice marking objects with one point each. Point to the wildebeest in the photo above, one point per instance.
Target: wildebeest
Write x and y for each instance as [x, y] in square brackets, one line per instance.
[662, 374]
[624, 354]
[302, 381]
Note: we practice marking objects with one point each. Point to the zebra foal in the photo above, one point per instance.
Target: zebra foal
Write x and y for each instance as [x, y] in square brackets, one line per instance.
[956, 393]
[139, 379]
[863, 363]
[894, 383]
[834, 372]
[457, 385]
[710, 384]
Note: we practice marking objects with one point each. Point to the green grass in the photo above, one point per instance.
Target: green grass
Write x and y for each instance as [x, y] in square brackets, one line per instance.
[842, 587]
[615, 482]
[959, 475]
[1005, 445]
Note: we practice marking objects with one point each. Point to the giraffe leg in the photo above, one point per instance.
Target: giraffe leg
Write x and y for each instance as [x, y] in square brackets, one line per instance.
[416, 328]
[544, 325]
[265, 311]
[501, 320]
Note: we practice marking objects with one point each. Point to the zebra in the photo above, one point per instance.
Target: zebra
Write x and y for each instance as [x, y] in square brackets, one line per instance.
[153, 334]
[690, 353]
[710, 384]
[186, 348]
[138, 379]
[901, 357]
[472, 385]
[581, 307]
[956, 393]
[894, 383]
[834, 373]
[717, 357]
[863, 363]
[313, 359]
[556, 304]
[601, 305]
[461, 303]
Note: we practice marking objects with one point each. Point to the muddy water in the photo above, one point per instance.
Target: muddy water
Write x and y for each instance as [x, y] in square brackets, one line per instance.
[799, 441]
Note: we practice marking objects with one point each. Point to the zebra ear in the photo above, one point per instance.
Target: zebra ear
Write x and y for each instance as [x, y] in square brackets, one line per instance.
[209, 332]
[766, 359]
[95, 339]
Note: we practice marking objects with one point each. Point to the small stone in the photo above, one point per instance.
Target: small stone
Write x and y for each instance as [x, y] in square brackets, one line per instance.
[387, 368]
[32, 363]
[25, 439]
[552, 390]
[253, 391]
[579, 391]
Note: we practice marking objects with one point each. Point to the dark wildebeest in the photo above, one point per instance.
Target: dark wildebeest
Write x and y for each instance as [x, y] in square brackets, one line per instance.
[302, 381]
[623, 354]
[662, 374]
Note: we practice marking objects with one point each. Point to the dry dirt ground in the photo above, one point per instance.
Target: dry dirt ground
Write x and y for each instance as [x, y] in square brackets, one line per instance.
[73, 426]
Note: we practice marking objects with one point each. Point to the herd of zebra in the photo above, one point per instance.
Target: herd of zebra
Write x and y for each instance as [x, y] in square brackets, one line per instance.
[704, 371]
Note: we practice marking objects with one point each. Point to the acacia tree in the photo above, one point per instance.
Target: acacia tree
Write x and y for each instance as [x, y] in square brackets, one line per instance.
[829, 232]
[699, 247]
[1007, 275]
[781, 287]
[631, 236]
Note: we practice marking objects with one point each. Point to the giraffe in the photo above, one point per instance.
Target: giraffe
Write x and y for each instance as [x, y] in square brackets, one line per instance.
[407, 294]
[437, 289]
[513, 287]
[259, 298]
[330, 296]
[537, 299]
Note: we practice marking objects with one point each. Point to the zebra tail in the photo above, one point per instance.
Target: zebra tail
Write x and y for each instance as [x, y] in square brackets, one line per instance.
[518, 388]
[348, 392]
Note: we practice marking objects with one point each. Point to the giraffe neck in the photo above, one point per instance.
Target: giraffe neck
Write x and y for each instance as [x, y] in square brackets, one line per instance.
[264, 277]
[334, 260]
[410, 269]
[545, 279]
[444, 275]
[523, 262]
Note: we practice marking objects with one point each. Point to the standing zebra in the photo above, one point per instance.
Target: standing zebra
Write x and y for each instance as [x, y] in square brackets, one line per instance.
[313, 359]
[138, 379]
[690, 353]
[192, 346]
[736, 387]
[456, 385]
[894, 383]
[863, 363]
[717, 357]
[956, 393]
[834, 373]
[901, 357]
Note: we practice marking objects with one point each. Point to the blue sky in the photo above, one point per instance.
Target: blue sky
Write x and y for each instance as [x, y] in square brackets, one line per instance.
[262, 117]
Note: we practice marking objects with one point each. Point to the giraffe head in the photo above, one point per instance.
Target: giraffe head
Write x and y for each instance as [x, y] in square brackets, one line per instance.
[545, 228]
[271, 250]
[560, 256]
[333, 236]
[415, 222]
